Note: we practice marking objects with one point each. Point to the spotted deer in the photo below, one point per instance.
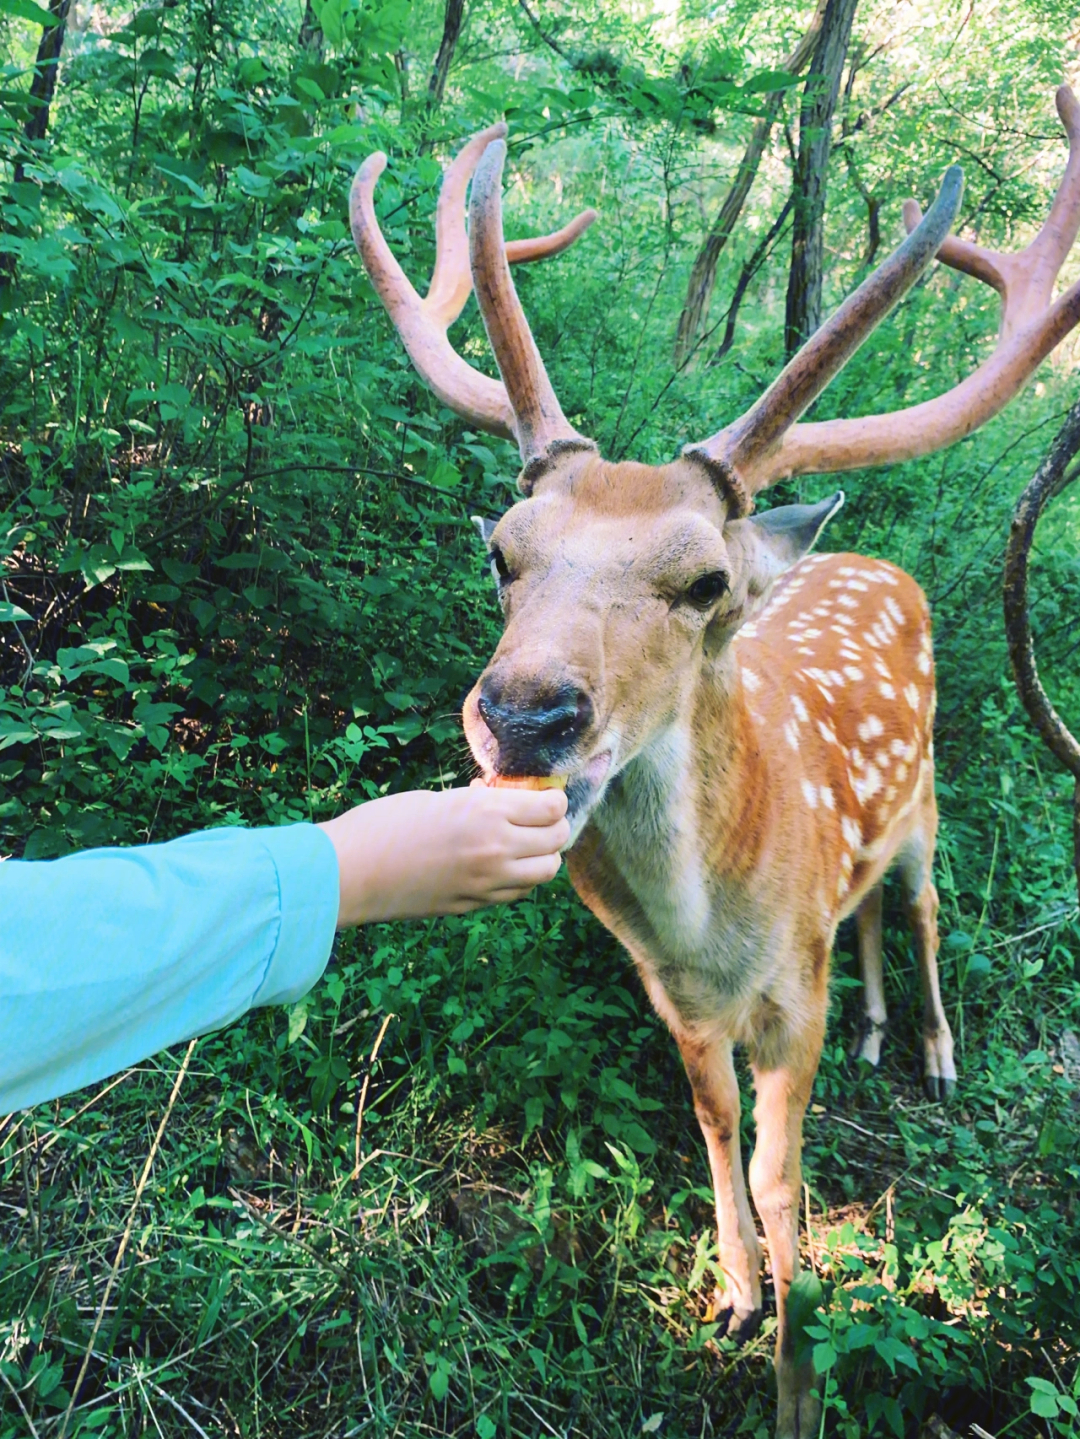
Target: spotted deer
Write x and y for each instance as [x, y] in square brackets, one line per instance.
[746, 729]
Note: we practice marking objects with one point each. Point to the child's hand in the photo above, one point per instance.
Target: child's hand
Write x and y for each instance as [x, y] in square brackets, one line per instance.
[444, 852]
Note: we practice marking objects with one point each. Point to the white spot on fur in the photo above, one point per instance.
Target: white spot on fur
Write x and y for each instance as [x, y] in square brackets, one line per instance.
[851, 830]
[848, 601]
[802, 714]
[923, 662]
[750, 680]
[894, 609]
[827, 799]
[810, 794]
[911, 694]
[887, 690]
[791, 734]
[828, 734]
[901, 773]
[868, 785]
[870, 728]
[851, 671]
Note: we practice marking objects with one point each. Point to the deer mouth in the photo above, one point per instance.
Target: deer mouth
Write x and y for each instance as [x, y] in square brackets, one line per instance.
[583, 790]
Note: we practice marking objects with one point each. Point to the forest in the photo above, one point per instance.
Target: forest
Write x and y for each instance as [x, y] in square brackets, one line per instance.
[459, 1188]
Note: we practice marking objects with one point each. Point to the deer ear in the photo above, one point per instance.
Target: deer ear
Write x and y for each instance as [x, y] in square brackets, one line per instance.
[485, 526]
[792, 531]
[781, 537]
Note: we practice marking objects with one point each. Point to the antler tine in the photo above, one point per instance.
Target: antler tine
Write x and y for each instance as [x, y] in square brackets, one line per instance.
[541, 423]
[423, 323]
[451, 280]
[1032, 326]
[1025, 281]
[739, 451]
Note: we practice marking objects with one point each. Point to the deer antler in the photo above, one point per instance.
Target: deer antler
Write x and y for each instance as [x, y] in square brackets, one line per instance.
[1025, 281]
[539, 419]
[766, 444]
[423, 323]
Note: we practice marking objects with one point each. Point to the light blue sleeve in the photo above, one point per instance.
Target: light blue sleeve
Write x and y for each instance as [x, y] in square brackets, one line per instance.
[110, 955]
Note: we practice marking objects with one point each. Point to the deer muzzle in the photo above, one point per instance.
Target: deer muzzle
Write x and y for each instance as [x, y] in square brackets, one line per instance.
[536, 727]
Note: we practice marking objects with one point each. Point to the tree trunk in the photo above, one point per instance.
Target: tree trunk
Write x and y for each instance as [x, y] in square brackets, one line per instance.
[43, 85]
[42, 89]
[311, 37]
[803, 314]
[703, 275]
[452, 18]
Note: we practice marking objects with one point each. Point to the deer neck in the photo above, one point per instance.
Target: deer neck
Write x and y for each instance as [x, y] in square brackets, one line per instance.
[676, 822]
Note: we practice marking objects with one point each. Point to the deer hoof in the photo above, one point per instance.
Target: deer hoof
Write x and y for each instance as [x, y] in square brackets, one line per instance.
[939, 1088]
[741, 1328]
[867, 1042]
[736, 1322]
[940, 1071]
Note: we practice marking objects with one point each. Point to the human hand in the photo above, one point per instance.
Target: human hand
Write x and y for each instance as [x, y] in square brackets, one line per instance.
[429, 852]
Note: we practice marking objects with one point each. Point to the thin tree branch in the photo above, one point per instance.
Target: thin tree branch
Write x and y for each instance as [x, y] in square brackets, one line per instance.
[1052, 476]
[702, 281]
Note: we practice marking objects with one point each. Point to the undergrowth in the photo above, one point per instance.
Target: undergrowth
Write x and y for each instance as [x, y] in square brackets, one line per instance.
[459, 1189]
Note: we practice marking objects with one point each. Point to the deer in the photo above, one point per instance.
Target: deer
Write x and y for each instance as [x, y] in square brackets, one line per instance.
[744, 727]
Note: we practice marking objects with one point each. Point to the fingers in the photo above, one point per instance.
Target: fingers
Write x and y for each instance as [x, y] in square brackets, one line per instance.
[525, 875]
[530, 806]
[525, 841]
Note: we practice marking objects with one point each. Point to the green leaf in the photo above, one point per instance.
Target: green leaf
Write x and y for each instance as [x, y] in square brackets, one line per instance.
[485, 1427]
[804, 1298]
[10, 613]
[298, 1017]
[439, 1379]
[825, 1357]
[27, 10]
[1045, 1405]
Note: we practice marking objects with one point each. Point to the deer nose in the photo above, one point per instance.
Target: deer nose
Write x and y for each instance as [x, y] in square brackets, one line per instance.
[536, 731]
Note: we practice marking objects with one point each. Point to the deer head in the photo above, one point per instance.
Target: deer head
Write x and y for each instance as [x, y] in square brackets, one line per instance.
[620, 581]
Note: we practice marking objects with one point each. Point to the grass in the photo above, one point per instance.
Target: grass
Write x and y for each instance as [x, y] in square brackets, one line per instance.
[524, 1245]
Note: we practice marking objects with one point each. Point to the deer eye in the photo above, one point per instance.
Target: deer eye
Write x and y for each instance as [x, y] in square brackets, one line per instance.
[499, 568]
[706, 589]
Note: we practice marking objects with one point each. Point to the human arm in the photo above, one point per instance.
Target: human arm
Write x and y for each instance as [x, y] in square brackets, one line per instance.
[110, 955]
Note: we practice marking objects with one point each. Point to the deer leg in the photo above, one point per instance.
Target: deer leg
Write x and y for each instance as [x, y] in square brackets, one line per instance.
[939, 1074]
[783, 1092]
[716, 1104]
[872, 1026]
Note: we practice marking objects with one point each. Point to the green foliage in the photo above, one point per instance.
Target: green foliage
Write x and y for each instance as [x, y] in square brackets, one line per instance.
[241, 585]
